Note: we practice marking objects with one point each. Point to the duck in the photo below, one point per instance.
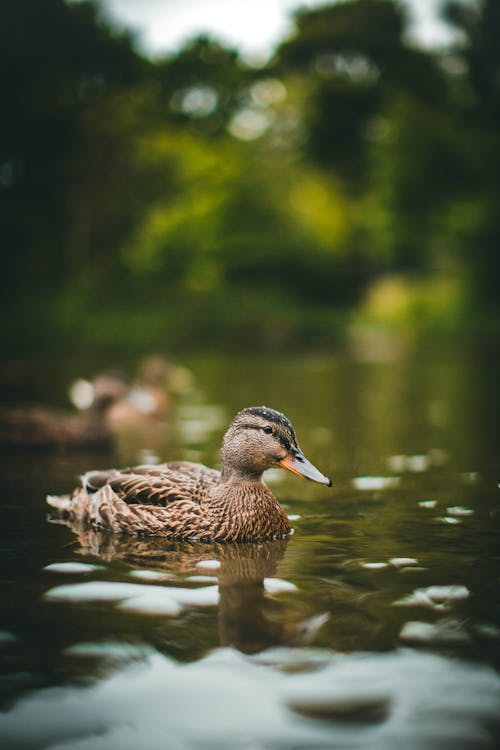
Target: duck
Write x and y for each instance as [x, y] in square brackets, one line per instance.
[145, 401]
[182, 500]
[42, 428]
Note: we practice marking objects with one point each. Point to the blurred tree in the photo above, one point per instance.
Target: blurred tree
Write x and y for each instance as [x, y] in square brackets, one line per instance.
[354, 58]
[416, 171]
[58, 61]
[195, 182]
[203, 84]
[110, 186]
[474, 221]
[215, 230]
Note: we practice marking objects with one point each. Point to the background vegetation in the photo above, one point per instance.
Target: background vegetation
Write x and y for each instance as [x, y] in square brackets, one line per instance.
[194, 199]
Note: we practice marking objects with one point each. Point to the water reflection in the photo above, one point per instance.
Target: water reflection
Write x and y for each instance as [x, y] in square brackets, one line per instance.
[404, 699]
[249, 617]
[406, 572]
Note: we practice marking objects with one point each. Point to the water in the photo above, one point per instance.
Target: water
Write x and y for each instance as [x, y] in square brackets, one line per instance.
[375, 625]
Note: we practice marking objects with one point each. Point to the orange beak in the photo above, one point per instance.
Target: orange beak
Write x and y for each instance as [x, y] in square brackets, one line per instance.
[298, 464]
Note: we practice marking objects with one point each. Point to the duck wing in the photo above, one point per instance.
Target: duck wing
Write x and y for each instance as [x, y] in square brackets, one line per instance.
[161, 500]
[105, 509]
[156, 485]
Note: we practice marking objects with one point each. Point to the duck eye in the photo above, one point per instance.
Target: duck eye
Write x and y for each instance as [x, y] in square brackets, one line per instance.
[268, 429]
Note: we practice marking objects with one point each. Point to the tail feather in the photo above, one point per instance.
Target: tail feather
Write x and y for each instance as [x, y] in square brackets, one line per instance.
[60, 502]
[100, 509]
[104, 509]
[93, 481]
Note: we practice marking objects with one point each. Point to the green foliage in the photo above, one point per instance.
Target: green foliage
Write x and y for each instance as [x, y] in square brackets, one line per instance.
[410, 303]
[416, 174]
[214, 230]
[203, 84]
[57, 62]
[195, 198]
[354, 60]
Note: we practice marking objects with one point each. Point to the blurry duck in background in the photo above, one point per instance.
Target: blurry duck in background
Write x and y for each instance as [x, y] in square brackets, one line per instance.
[140, 418]
[109, 405]
[46, 429]
[148, 399]
[144, 401]
[160, 371]
[184, 500]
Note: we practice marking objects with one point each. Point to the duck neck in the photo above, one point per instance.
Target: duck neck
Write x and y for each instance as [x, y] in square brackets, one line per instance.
[236, 476]
[238, 465]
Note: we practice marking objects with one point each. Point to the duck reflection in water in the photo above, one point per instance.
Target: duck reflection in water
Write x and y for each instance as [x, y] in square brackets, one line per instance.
[249, 618]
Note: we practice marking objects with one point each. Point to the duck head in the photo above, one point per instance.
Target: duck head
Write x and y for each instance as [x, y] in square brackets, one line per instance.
[260, 438]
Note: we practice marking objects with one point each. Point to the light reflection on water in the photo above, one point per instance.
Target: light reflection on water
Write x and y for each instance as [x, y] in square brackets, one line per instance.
[225, 700]
[376, 624]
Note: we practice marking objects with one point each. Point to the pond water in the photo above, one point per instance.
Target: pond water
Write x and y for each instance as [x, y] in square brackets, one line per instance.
[376, 624]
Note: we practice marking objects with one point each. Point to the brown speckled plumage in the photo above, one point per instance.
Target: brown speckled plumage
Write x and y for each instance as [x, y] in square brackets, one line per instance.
[183, 500]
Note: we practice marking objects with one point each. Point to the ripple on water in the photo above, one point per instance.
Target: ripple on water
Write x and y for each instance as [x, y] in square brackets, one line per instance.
[72, 568]
[7, 638]
[112, 651]
[450, 520]
[152, 603]
[93, 591]
[407, 699]
[435, 597]
[440, 632]
[294, 660]
[429, 504]
[151, 575]
[209, 564]
[375, 483]
[403, 562]
[396, 562]
[459, 510]
[278, 585]
[416, 464]
[487, 630]
[354, 709]
[374, 565]
[135, 597]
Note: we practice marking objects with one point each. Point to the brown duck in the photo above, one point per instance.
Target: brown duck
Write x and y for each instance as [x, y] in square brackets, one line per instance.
[183, 500]
[42, 428]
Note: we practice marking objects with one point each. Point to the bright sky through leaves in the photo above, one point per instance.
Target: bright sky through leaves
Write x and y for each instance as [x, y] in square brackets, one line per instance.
[254, 26]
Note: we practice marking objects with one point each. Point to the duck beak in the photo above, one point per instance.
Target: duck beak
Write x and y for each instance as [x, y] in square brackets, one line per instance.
[298, 464]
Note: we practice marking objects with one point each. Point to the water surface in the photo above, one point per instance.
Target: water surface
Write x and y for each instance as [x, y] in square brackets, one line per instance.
[376, 624]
